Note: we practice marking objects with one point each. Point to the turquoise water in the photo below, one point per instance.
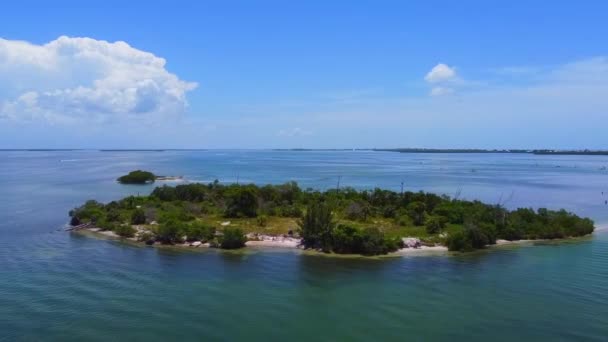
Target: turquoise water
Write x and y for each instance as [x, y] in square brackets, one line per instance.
[60, 286]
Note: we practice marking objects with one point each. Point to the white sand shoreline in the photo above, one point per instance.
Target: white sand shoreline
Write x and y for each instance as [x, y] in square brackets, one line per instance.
[422, 250]
[269, 241]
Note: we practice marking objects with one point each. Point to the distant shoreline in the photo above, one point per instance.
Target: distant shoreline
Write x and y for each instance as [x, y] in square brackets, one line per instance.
[539, 152]
[508, 151]
[452, 150]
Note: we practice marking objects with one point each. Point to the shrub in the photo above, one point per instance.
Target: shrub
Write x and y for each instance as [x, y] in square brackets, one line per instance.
[415, 211]
[138, 216]
[146, 237]
[262, 220]
[124, 230]
[470, 238]
[389, 212]
[170, 232]
[103, 224]
[200, 232]
[346, 240]
[373, 242]
[91, 211]
[403, 220]
[452, 210]
[458, 242]
[113, 215]
[435, 224]
[316, 226]
[164, 193]
[74, 221]
[171, 212]
[358, 211]
[290, 210]
[368, 241]
[241, 201]
[232, 238]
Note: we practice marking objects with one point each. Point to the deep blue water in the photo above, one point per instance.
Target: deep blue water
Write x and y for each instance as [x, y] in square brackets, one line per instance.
[60, 286]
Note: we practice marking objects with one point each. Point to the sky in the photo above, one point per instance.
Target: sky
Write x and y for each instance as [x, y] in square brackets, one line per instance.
[308, 74]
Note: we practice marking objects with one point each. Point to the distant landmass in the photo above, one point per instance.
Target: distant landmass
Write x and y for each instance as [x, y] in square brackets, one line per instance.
[449, 150]
[457, 150]
[140, 150]
[537, 152]
[400, 150]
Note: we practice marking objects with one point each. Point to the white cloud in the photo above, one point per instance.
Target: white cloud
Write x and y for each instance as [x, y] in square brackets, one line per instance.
[293, 132]
[443, 78]
[439, 91]
[72, 79]
[440, 73]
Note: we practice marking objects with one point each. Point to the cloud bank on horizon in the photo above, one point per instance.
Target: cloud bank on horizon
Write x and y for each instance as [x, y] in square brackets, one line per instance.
[72, 80]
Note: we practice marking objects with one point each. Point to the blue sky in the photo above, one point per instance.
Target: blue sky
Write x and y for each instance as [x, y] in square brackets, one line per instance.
[262, 74]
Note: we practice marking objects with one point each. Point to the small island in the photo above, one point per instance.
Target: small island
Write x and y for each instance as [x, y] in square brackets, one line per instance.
[137, 177]
[144, 177]
[341, 221]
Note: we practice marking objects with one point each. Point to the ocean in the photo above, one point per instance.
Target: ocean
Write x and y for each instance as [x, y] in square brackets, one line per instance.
[56, 285]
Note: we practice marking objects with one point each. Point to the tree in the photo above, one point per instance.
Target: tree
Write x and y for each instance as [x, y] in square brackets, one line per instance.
[242, 201]
[262, 220]
[458, 241]
[165, 193]
[200, 232]
[346, 240]
[113, 215]
[316, 226]
[170, 231]
[373, 242]
[232, 238]
[435, 224]
[415, 211]
[91, 212]
[359, 210]
[74, 221]
[470, 238]
[138, 216]
[124, 231]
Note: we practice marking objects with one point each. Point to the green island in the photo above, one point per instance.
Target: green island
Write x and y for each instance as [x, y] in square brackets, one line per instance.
[342, 221]
[137, 177]
[144, 177]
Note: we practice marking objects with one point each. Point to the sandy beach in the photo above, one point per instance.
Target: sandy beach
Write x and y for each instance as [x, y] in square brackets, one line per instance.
[269, 241]
[281, 243]
[515, 242]
[422, 250]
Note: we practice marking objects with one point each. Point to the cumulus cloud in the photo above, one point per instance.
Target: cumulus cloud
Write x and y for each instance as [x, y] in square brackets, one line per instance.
[293, 132]
[439, 91]
[442, 78]
[440, 73]
[71, 79]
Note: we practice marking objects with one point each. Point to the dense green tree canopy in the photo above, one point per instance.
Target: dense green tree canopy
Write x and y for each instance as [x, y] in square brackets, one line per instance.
[340, 221]
[137, 177]
[232, 238]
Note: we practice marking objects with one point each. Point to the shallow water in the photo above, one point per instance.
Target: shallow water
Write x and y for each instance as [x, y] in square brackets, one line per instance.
[60, 286]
